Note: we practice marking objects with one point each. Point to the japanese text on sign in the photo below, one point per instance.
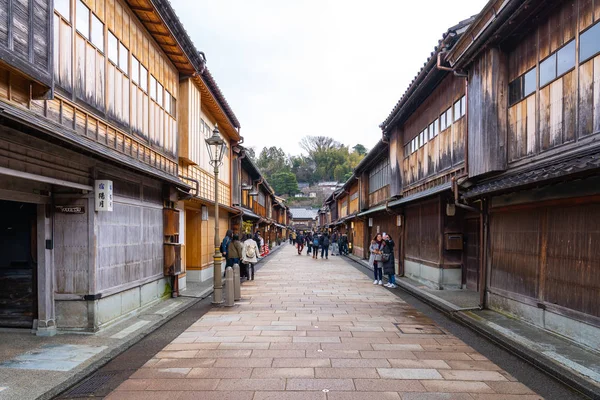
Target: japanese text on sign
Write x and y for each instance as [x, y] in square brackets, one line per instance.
[103, 192]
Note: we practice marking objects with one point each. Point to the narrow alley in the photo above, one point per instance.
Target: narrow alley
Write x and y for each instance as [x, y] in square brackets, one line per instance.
[318, 329]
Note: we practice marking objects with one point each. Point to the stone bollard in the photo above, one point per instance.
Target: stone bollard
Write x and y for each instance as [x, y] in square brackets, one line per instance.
[229, 302]
[237, 295]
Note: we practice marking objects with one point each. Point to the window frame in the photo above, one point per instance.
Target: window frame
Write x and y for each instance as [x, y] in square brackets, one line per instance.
[65, 17]
[582, 33]
[78, 20]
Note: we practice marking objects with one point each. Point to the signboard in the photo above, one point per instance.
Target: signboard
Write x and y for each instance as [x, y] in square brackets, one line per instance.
[103, 194]
[70, 209]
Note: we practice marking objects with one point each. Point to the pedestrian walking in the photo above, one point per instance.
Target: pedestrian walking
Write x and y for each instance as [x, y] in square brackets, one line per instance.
[249, 256]
[389, 263]
[324, 243]
[375, 258]
[334, 244]
[315, 246]
[224, 248]
[344, 244]
[309, 243]
[300, 242]
[235, 251]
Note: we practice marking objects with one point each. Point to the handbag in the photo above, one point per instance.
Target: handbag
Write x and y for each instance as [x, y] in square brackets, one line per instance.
[385, 257]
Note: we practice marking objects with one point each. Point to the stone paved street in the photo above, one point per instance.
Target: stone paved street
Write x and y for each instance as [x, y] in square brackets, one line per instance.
[318, 329]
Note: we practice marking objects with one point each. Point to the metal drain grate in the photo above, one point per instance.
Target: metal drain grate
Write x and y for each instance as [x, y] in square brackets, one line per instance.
[91, 385]
[419, 329]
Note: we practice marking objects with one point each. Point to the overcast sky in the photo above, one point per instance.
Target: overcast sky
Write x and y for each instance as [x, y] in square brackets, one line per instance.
[291, 68]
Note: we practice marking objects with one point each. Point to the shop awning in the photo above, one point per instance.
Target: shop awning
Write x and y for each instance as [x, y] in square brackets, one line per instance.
[248, 213]
[372, 210]
[420, 195]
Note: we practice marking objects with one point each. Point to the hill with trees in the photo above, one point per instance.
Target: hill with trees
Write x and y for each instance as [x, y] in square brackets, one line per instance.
[326, 160]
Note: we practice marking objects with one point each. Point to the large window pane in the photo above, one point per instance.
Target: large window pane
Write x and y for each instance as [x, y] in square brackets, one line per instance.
[442, 121]
[97, 33]
[143, 78]
[159, 94]
[64, 8]
[565, 58]
[589, 43]
[83, 19]
[123, 58]
[135, 70]
[548, 70]
[463, 106]
[113, 48]
[449, 119]
[529, 83]
[515, 91]
[152, 88]
[457, 110]
[436, 127]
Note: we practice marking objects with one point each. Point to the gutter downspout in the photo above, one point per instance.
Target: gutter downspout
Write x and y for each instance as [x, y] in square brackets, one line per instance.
[192, 180]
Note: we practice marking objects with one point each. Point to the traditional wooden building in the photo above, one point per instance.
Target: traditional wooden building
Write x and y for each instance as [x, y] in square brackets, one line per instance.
[202, 107]
[533, 159]
[258, 207]
[304, 218]
[426, 132]
[89, 95]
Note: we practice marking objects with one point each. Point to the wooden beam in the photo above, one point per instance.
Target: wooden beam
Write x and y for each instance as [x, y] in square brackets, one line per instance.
[155, 33]
[142, 9]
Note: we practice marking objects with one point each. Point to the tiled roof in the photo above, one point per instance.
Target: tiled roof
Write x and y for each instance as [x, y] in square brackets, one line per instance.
[214, 88]
[427, 66]
[582, 164]
[304, 213]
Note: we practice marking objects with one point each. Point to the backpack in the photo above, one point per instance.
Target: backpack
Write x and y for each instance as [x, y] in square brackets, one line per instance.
[316, 242]
[326, 241]
[250, 252]
[225, 244]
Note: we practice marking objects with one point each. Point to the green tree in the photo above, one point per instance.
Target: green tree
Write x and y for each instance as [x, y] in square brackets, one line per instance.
[250, 152]
[360, 149]
[284, 182]
[272, 160]
[304, 168]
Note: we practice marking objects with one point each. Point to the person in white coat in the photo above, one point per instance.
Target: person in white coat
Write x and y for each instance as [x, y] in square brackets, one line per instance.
[249, 255]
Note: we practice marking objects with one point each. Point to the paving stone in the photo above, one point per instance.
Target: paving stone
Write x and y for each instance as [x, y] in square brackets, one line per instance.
[320, 384]
[295, 335]
[388, 385]
[470, 375]
[359, 372]
[283, 373]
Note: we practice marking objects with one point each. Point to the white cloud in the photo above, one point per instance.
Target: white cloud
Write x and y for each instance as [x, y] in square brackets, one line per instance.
[329, 67]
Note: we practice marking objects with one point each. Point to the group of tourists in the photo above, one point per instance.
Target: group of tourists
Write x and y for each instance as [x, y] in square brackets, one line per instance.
[313, 241]
[382, 259]
[244, 252]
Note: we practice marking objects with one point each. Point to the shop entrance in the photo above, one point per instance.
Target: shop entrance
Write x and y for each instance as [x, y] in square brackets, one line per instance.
[18, 264]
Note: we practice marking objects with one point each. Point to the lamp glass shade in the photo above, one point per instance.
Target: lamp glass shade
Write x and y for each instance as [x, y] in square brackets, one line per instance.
[216, 147]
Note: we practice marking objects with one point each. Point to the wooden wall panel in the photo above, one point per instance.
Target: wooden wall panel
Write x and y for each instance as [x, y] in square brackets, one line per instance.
[515, 251]
[572, 274]
[487, 114]
[423, 232]
[442, 152]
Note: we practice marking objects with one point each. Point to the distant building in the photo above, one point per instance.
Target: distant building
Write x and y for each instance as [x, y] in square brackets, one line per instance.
[304, 218]
[312, 194]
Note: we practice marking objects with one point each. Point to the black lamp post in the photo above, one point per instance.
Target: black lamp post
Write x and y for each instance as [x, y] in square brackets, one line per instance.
[216, 149]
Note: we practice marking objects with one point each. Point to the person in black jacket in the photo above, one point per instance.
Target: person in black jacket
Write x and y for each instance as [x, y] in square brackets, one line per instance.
[309, 242]
[389, 266]
[324, 243]
[300, 242]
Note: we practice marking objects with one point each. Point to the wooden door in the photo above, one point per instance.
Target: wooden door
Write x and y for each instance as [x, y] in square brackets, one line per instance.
[471, 263]
[18, 267]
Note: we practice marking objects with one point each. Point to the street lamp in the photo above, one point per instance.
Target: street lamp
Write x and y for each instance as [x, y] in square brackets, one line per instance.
[216, 149]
